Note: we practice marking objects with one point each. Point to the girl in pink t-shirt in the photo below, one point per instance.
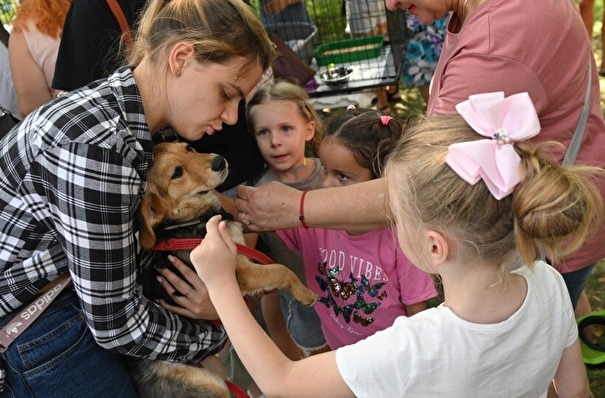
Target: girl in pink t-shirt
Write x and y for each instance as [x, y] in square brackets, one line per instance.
[362, 278]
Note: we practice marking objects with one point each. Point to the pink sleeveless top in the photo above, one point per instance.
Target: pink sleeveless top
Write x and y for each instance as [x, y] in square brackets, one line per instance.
[44, 49]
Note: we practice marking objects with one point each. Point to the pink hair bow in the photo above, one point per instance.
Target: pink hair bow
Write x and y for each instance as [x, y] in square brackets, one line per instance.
[505, 121]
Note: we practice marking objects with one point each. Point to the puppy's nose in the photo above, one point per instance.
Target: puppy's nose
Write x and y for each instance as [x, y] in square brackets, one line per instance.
[218, 164]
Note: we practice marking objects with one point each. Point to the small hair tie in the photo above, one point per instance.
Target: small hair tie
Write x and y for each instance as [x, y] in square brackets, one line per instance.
[351, 107]
[385, 119]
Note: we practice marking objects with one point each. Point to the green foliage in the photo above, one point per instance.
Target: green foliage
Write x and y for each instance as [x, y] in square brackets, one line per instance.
[7, 11]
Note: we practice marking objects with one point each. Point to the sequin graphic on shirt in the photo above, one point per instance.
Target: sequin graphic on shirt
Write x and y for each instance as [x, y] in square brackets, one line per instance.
[349, 299]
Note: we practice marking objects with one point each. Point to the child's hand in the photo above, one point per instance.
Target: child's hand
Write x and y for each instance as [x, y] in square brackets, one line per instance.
[215, 258]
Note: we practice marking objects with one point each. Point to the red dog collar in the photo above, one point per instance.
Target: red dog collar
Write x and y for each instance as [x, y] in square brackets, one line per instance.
[191, 243]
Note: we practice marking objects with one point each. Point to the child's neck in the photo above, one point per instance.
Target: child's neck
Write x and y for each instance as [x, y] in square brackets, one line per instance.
[477, 295]
[295, 174]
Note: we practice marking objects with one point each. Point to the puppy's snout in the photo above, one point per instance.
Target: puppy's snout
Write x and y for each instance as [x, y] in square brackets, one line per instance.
[218, 164]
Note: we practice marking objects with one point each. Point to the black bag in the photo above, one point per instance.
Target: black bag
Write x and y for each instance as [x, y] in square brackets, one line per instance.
[7, 122]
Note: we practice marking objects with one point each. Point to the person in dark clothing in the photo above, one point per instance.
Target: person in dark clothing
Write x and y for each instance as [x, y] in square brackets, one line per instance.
[90, 43]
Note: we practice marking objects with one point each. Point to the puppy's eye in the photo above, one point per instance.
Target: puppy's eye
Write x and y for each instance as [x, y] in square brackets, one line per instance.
[178, 172]
[189, 148]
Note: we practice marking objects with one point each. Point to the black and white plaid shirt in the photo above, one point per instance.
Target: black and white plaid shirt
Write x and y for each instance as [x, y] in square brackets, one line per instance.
[71, 177]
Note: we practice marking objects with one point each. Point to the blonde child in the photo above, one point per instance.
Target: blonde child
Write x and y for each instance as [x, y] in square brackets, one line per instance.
[283, 123]
[499, 333]
[364, 282]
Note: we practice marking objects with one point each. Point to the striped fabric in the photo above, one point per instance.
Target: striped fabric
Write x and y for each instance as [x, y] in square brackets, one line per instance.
[71, 177]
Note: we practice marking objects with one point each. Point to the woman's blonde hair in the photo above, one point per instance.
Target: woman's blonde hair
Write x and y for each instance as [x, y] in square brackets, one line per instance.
[219, 30]
[286, 91]
[553, 206]
[48, 16]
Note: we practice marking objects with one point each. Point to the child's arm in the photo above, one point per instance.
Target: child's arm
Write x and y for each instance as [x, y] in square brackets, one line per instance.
[570, 379]
[215, 260]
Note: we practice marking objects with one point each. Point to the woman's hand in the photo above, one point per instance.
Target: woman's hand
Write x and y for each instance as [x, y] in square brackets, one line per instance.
[216, 257]
[268, 207]
[193, 300]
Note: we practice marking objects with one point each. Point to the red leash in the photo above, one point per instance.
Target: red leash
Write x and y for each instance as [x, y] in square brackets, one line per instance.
[236, 390]
[192, 243]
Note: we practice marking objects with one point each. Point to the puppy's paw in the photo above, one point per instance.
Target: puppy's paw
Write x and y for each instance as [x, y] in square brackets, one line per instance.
[305, 296]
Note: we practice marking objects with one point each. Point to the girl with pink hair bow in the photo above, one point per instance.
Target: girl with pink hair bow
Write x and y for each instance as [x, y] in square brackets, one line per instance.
[506, 327]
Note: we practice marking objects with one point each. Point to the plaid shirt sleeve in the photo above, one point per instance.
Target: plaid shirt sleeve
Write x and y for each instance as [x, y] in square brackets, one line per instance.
[71, 206]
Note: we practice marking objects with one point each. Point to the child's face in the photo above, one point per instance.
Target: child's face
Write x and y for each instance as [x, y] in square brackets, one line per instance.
[340, 166]
[281, 132]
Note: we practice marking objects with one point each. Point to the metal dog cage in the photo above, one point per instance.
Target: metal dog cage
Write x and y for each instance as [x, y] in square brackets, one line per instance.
[334, 40]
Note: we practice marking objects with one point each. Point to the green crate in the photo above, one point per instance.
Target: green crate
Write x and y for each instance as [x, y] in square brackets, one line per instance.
[350, 50]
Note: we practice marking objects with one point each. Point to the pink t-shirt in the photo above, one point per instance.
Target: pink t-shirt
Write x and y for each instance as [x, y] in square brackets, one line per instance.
[363, 282]
[540, 47]
[44, 50]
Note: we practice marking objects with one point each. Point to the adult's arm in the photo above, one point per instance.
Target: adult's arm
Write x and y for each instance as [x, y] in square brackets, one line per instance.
[30, 83]
[357, 207]
[275, 374]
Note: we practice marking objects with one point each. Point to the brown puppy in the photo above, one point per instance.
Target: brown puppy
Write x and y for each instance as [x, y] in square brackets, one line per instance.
[179, 199]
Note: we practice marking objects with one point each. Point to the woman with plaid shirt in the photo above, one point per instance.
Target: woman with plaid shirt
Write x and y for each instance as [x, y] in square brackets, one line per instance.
[71, 177]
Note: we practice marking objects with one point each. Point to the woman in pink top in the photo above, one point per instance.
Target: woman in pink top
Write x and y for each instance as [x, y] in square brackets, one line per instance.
[33, 46]
[537, 46]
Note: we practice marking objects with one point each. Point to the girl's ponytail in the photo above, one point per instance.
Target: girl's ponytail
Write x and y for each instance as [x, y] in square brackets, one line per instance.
[555, 206]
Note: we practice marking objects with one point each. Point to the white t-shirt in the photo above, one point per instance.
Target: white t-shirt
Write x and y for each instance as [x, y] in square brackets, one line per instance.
[437, 354]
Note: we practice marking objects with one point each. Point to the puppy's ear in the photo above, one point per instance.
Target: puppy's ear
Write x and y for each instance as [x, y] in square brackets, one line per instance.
[149, 215]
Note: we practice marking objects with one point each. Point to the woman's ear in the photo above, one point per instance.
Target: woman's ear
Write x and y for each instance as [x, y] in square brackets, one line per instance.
[179, 55]
[439, 247]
